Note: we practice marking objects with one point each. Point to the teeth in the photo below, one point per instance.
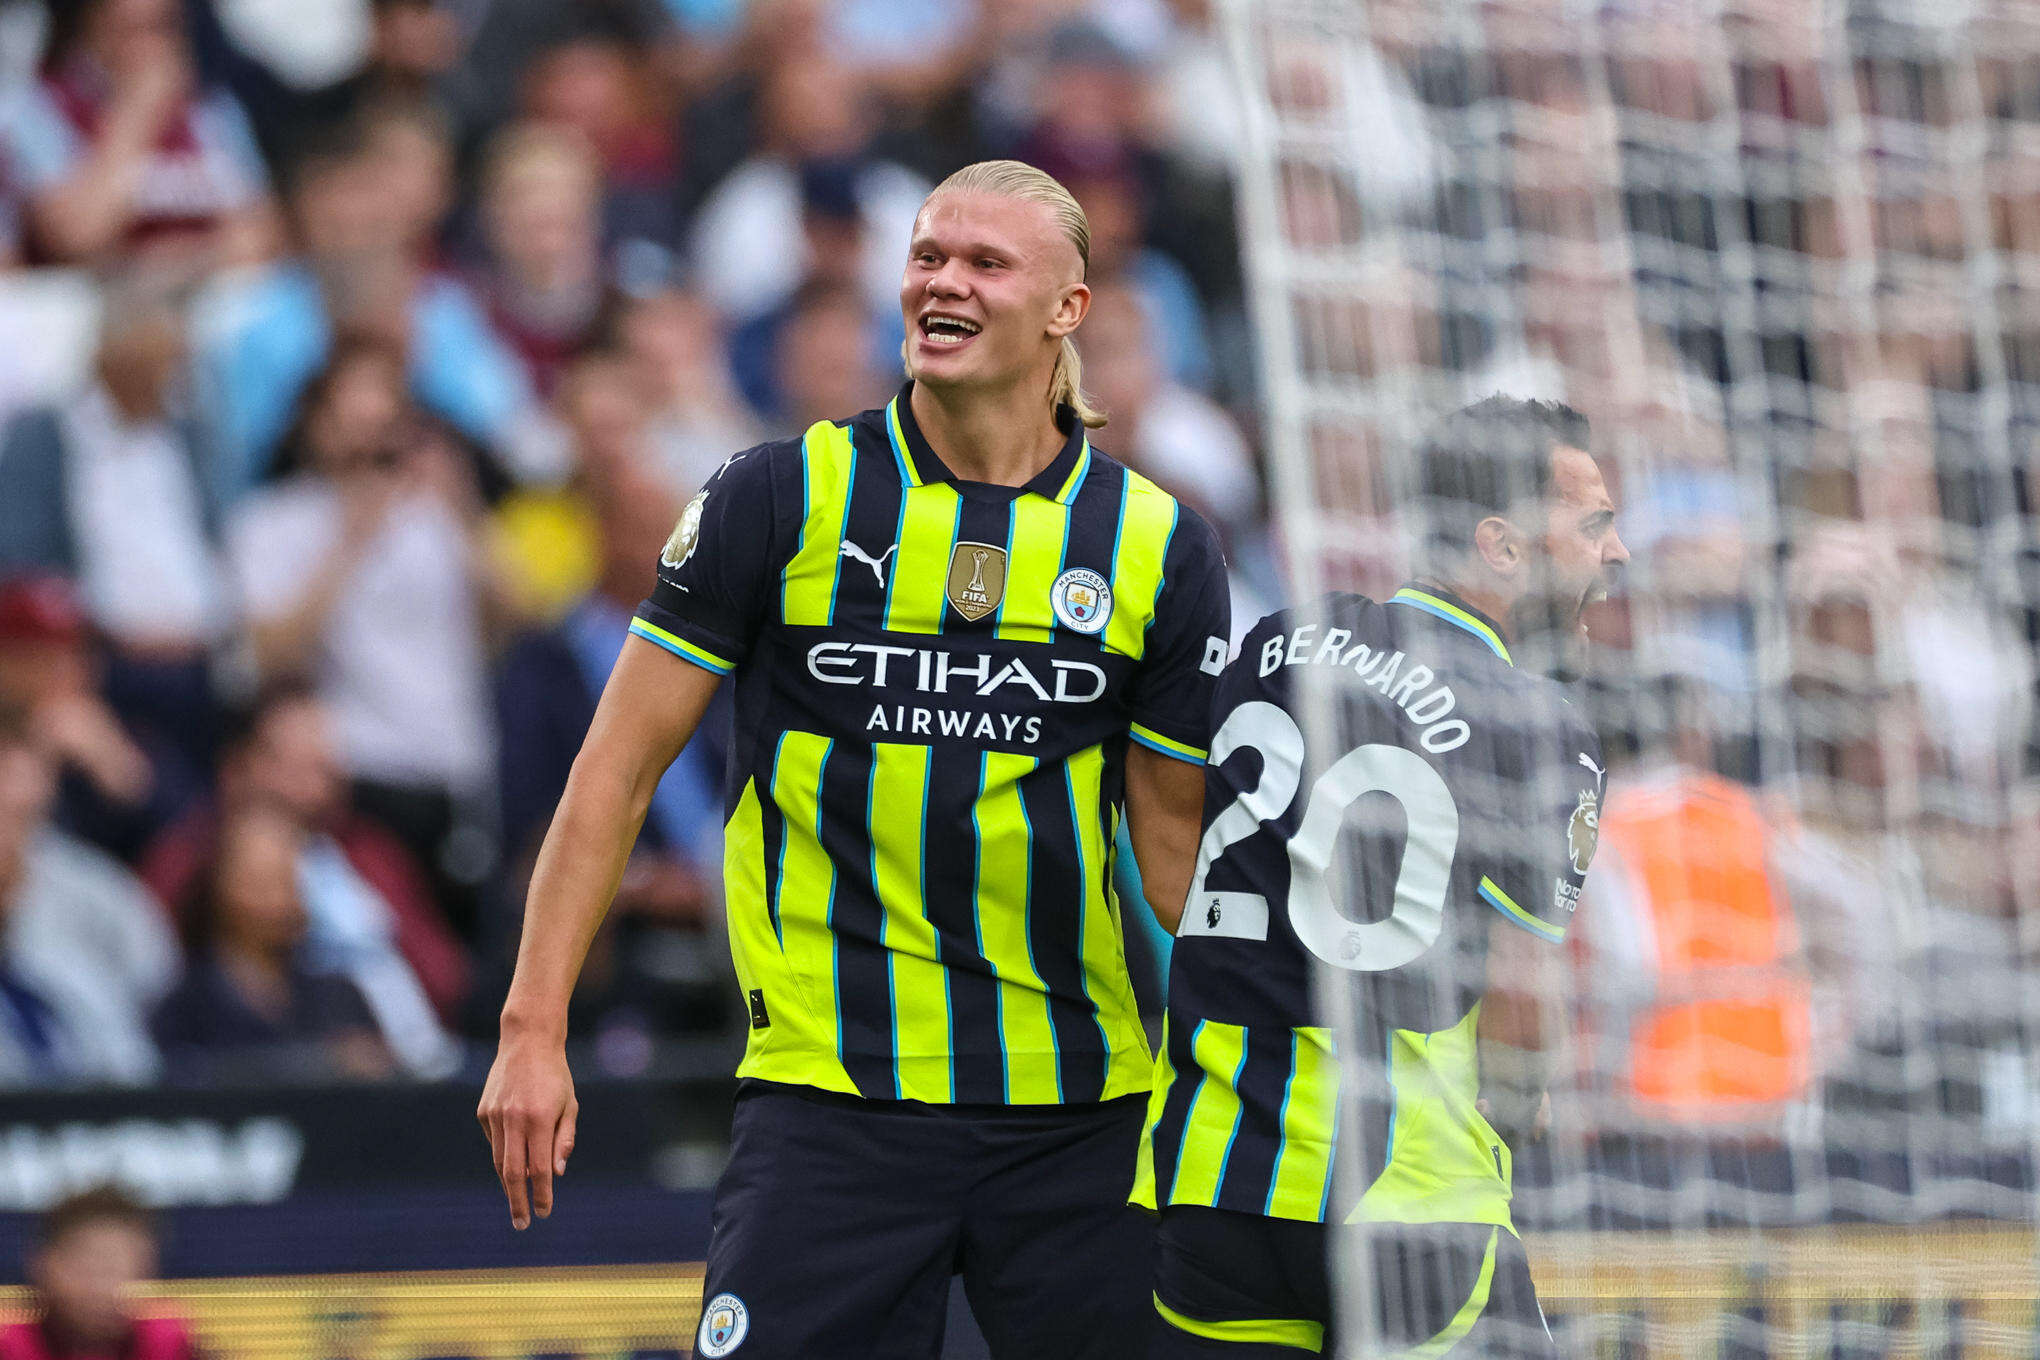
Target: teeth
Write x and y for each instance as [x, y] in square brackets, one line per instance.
[929, 323]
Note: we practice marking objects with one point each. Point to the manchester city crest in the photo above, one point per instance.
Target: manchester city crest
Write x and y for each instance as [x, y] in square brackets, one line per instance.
[1583, 832]
[1082, 600]
[725, 1322]
[680, 546]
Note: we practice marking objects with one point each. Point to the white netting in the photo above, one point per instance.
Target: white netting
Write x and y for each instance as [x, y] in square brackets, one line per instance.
[1785, 254]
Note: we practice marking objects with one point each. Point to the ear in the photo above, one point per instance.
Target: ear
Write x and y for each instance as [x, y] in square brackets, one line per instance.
[1071, 311]
[1500, 545]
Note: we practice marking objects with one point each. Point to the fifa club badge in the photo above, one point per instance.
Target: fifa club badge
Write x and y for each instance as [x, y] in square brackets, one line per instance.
[1082, 600]
[680, 546]
[1583, 832]
[725, 1322]
[977, 579]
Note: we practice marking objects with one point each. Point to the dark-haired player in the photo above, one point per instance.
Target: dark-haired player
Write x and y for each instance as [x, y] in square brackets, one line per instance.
[963, 640]
[1467, 790]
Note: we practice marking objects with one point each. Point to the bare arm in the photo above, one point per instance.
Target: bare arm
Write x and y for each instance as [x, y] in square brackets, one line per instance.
[649, 710]
[1164, 816]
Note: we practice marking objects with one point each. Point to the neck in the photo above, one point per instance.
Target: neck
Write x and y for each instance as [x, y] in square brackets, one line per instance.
[1004, 438]
[1488, 601]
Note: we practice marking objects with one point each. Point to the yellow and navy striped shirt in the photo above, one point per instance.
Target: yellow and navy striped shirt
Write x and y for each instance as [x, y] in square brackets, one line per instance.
[1459, 792]
[936, 683]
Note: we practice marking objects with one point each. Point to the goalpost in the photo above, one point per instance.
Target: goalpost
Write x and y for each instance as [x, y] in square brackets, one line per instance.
[1785, 255]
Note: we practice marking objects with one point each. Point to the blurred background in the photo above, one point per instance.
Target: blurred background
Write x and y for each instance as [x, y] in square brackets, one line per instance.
[356, 357]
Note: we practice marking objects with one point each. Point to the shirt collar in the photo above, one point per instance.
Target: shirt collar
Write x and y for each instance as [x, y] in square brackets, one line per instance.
[1442, 604]
[919, 465]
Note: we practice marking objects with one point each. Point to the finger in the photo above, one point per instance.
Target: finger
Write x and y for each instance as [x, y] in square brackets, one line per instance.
[513, 1174]
[539, 1158]
[563, 1138]
[492, 1129]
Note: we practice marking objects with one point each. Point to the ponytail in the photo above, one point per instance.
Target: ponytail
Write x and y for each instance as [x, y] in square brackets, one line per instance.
[1066, 386]
[1017, 179]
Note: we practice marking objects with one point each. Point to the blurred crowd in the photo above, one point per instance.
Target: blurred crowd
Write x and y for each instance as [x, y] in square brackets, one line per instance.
[356, 358]
[1783, 255]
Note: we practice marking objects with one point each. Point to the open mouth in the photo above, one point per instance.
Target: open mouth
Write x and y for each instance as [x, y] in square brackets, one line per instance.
[943, 329]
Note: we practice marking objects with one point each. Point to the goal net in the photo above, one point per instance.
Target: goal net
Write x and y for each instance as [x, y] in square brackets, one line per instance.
[1785, 255]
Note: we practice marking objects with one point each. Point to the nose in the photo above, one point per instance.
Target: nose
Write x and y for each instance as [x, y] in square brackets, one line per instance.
[948, 281]
[1614, 553]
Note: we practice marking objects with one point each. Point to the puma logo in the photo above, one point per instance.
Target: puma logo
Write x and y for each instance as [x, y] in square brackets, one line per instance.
[1588, 762]
[877, 564]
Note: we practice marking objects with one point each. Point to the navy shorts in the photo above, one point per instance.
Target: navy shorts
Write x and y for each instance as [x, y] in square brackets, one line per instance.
[839, 1222]
[1233, 1286]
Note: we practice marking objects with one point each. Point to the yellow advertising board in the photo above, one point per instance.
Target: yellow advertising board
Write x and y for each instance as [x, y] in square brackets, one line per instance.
[1954, 1292]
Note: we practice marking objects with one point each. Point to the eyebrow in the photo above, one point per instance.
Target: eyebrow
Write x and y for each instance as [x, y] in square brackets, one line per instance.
[922, 239]
[1601, 518]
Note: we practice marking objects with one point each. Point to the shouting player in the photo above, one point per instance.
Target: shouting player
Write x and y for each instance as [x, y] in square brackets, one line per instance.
[1468, 791]
[962, 640]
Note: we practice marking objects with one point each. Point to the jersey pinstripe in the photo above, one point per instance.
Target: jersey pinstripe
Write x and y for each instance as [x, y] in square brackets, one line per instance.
[936, 684]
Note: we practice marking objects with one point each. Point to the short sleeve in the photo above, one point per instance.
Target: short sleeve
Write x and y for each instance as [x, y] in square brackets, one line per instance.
[1170, 699]
[717, 571]
[1538, 888]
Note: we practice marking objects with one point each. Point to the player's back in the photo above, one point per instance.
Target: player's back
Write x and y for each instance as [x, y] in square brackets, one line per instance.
[1457, 791]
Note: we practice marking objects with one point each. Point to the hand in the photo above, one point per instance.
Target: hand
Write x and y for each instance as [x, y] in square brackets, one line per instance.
[528, 1110]
[84, 733]
[1540, 1122]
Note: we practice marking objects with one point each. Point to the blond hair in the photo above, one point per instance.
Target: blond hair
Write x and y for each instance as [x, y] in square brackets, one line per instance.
[1017, 179]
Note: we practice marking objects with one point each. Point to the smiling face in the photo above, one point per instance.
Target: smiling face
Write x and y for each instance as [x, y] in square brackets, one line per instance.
[991, 288]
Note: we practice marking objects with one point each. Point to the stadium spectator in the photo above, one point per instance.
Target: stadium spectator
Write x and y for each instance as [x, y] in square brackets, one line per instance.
[676, 341]
[119, 152]
[832, 225]
[1106, 179]
[92, 1250]
[542, 275]
[110, 488]
[363, 568]
[408, 145]
[1161, 427]
[516, 36]
[267, 335]
[602, 88]
[250, 1007]
[414, 47]
[749, 244]
[84, 952]
[828, 354]
[655, 967]
[118, 785]
[369, 908]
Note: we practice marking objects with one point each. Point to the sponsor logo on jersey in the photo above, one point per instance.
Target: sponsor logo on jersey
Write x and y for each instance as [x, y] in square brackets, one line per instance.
[1583, 832]
[725, 1322]
[977, 579]
[680, 546]
[877, 564]
[1082, 600]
